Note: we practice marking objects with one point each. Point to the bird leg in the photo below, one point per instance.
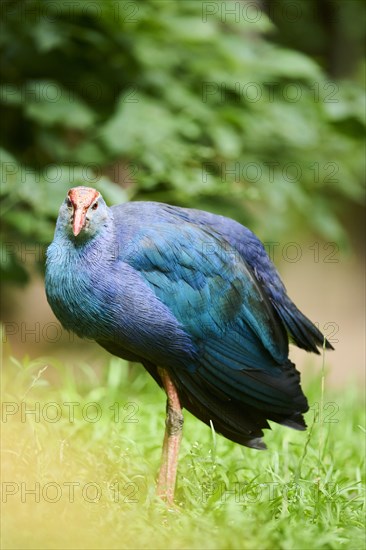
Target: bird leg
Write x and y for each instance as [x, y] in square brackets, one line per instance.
[173, 435]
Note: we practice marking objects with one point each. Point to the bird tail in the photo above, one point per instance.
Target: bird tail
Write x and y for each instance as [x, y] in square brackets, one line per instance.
[301, 330]
[232, 418]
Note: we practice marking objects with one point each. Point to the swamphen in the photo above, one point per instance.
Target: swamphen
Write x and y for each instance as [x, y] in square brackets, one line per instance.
[193, 297]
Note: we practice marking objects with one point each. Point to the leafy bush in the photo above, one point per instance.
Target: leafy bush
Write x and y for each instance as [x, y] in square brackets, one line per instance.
[172, 101]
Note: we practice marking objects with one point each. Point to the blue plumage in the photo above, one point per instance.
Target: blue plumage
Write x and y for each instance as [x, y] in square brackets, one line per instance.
[188, 291]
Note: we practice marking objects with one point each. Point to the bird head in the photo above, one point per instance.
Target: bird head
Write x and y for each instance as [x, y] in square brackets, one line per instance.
[83, 212]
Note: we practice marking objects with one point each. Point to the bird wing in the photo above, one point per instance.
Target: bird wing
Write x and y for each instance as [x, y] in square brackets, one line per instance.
[242, 346]
[302, 331]
[243, 242]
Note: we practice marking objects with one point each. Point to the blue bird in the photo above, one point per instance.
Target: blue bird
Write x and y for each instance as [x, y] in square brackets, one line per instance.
[194, 297]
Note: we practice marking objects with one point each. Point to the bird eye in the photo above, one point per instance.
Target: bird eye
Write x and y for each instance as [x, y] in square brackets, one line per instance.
[68, 202]
[95, 206]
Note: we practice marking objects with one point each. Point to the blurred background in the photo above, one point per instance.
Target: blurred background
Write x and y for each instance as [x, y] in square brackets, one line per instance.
[251, 109]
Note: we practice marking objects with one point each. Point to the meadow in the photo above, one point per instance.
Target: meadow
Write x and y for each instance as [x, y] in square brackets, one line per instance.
[81, 451]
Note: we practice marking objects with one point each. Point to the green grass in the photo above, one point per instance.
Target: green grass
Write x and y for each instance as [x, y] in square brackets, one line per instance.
[304, 492]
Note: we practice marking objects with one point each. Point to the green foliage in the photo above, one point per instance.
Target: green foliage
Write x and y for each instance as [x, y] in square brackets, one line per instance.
[166, 101]
[306, 491]
[333, 32]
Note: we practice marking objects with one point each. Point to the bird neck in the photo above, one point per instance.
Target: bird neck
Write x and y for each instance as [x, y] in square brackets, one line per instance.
[88, 253]
[75, 271]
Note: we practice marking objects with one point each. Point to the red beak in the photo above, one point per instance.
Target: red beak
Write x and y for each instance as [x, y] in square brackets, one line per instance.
[79, 220]
[81, 198]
